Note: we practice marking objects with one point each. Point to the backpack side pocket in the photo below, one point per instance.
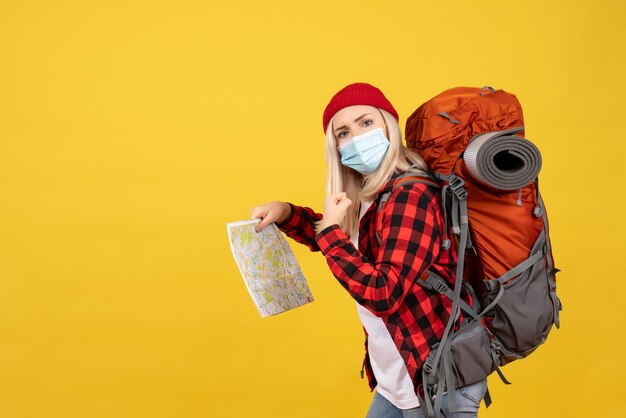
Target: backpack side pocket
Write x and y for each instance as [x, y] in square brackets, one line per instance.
[524, 314]
[471, 354]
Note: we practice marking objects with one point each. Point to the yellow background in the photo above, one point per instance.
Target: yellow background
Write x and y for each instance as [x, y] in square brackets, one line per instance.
[132, 131]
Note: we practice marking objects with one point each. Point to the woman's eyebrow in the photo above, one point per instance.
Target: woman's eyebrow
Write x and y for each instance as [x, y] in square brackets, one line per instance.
[356, 120]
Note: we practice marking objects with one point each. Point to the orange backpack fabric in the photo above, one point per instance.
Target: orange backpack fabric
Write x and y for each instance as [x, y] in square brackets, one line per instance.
[440, 130]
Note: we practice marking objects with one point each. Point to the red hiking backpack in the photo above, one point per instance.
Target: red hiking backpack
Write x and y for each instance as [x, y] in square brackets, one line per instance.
[472, 141]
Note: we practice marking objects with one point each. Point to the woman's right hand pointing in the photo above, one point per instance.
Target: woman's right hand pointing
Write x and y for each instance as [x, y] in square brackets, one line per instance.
[271, 212]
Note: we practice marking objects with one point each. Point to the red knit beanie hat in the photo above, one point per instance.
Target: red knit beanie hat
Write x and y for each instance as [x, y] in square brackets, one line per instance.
[357, 94]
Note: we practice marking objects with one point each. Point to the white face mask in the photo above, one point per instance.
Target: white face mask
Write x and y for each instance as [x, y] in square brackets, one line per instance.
[364, 153]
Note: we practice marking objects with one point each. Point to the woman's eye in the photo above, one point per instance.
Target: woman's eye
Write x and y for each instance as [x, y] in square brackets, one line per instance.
[367, 122]
[342, 134]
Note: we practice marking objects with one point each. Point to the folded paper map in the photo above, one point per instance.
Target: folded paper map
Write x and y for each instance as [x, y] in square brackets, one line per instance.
[269, 268]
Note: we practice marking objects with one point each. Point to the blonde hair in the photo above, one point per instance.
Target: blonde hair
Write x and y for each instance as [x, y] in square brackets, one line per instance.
[359, 188]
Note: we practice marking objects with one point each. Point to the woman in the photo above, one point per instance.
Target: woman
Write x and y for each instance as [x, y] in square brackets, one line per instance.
[377, 252]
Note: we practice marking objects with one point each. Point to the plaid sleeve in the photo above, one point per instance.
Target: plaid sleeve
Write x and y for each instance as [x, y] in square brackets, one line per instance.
[300, 226]
[410, 242]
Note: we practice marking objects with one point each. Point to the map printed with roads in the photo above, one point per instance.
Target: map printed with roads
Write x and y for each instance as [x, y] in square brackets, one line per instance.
[269, 268]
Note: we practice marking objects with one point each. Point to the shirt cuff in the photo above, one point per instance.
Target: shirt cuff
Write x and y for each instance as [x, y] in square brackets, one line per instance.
[330, 237]
[291, 222]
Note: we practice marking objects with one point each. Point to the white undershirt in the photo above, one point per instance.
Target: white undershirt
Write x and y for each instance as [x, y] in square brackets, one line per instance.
[389, 369]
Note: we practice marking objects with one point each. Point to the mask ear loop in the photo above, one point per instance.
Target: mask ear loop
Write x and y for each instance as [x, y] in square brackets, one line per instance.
[385, 122]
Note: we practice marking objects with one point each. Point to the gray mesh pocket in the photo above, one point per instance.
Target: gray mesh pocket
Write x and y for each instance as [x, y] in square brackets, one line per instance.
[525, 313]
[471, 354]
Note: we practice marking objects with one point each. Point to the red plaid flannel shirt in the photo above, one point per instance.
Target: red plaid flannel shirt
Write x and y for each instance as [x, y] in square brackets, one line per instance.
[382, 277]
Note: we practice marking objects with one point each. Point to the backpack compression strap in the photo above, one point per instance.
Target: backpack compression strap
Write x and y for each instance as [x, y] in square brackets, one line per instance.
[437, 373]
